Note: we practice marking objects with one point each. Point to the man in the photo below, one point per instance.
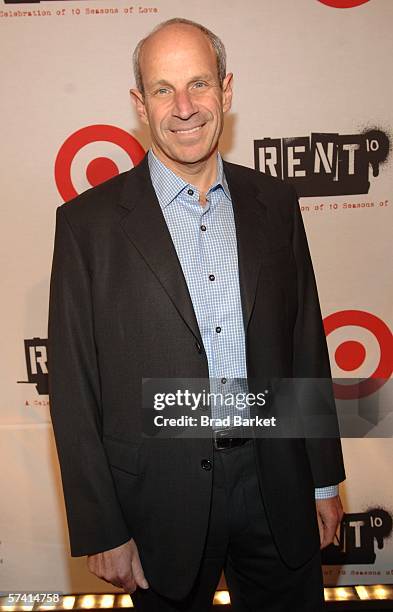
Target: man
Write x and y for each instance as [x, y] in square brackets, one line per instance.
[188, 267]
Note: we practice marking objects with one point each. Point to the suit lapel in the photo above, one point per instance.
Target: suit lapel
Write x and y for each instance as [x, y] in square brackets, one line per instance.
[250, 220]
[146, 228]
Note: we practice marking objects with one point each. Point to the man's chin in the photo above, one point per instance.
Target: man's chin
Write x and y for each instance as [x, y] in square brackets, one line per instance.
[184, 155]
[189, 156]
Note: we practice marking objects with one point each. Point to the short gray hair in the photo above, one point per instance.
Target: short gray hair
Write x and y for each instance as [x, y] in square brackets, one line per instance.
[215, 42]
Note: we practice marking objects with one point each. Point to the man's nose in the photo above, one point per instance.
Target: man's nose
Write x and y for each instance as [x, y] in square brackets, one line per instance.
[184, 105]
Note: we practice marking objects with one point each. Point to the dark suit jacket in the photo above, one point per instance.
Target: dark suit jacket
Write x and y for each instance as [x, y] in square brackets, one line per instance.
[120, 311]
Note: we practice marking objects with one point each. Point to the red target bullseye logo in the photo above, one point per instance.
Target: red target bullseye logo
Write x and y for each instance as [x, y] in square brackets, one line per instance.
[343, 3]
[351, 354]
[98, 169]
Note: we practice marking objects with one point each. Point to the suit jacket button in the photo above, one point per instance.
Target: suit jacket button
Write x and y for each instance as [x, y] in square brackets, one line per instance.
[206, 464]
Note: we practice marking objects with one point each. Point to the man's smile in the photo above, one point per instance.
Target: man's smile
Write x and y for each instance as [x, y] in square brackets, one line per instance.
[188, 130]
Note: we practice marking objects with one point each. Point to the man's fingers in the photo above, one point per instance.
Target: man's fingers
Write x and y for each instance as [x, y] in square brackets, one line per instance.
[329, 528]
[329, 514]
[120, 566]
[129, 584]
[137, 571]
[122, 581]
[329, 532]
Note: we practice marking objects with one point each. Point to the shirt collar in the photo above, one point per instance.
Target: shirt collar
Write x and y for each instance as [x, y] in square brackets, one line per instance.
[169, 185]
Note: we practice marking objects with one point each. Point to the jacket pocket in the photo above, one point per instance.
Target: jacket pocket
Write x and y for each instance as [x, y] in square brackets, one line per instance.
[123, 455]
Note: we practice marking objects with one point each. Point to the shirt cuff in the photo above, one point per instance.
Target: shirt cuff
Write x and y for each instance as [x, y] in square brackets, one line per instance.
[326, 492]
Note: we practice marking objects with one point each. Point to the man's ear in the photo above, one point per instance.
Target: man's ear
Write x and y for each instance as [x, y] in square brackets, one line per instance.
[227, 92]
[138, 100]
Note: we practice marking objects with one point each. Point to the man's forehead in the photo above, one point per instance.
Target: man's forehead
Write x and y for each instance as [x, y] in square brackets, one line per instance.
[174, 39]
[176, 31]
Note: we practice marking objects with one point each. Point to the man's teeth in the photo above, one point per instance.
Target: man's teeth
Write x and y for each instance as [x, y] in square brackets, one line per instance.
[188, 131]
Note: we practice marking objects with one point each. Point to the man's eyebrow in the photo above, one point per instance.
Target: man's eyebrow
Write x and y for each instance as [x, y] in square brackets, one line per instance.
[160, 82]
[201, 77]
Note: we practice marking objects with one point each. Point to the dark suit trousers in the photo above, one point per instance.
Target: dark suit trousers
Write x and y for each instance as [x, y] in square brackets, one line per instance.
[239, 541]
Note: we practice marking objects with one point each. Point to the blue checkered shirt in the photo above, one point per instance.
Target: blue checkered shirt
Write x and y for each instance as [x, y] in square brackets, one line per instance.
[205, 241]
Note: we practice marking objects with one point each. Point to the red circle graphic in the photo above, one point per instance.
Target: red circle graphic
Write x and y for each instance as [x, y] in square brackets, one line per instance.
[99, 169]
[350, 354]
[343, 3]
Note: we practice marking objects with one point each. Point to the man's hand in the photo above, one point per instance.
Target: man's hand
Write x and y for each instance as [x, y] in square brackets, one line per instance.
[329, 514]
[120, 566]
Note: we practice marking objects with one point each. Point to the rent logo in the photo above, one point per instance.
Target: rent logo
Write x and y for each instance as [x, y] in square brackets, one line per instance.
[357, 537]
[324, 164]
[37, 364]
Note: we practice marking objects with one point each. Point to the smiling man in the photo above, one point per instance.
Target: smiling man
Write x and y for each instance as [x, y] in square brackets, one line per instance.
[188, 267]
[182, 96]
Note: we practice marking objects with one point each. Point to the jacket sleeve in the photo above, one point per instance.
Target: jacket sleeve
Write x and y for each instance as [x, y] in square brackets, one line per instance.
[311, 361]
[94, 516]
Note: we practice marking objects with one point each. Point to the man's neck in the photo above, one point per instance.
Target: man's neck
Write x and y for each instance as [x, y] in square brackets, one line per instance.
[201, 174]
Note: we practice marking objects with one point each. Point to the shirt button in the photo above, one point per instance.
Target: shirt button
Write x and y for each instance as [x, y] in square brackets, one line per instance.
[212, 277]
[223, 380]
[206, 465]
[190, 192]
[203, 228]
[218, 329]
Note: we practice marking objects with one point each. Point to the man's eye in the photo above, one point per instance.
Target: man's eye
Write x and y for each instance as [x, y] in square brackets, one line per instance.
[199, 84]
[162, 91]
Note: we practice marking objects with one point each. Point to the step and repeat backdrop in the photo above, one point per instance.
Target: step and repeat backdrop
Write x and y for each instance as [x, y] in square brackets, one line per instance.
[313, 105]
